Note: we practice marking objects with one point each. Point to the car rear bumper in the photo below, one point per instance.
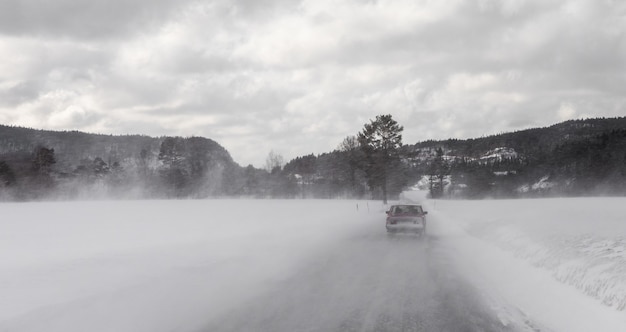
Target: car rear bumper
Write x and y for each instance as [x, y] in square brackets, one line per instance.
[405, 227]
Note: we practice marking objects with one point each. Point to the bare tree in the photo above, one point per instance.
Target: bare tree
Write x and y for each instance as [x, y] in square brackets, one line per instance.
[353, 158]
[274, 162]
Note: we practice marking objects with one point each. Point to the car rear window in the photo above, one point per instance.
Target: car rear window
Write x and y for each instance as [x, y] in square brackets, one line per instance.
[406, 209]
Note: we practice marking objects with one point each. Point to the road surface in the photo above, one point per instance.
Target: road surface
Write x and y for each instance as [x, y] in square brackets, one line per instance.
[373, 282]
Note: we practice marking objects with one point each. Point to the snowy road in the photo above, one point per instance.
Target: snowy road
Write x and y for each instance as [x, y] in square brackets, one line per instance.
[319, 265]
[372, 282]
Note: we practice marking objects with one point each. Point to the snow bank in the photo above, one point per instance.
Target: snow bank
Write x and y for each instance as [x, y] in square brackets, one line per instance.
[579, 243]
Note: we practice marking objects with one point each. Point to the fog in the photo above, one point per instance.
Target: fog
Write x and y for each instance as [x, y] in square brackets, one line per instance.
[154, 265]
[317, 265]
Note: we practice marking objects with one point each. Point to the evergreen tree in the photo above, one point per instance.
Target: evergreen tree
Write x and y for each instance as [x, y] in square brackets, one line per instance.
[43, 160]
[7, 176]
[174, 172]
[380, 140]
[437, 173]
[42, 181]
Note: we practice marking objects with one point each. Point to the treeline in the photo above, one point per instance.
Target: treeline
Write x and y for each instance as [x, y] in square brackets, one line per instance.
[573, 158]
[39, 164]
[368, 164]
[53, 165]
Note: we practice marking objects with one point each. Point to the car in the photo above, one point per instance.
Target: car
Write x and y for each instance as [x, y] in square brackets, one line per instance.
[409, 218]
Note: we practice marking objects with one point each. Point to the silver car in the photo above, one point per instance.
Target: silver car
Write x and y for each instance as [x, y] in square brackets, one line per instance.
[406, 218]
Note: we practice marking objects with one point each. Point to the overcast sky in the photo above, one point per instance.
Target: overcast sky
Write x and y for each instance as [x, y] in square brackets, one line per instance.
[299, 76]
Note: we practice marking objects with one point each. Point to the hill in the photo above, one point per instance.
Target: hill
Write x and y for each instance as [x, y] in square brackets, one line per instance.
[42, 164]
[572, 158]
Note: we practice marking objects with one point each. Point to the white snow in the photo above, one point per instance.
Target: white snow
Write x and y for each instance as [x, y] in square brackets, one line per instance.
[558, 262]
[543, 183]
[154, 265]
[504, 173]
[175, 265]
[499, 154]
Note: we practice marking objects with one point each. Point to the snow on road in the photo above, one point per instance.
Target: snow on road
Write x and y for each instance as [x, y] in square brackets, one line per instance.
[555, 262]
[370, 282]
[549, 265]
[152, 265]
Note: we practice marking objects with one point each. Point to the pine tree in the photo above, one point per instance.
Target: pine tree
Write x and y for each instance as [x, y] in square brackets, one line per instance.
[438, 171]
[380, 141]
[7, 176]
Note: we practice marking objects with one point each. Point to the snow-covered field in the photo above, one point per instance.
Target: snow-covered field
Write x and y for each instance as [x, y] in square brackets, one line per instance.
[176, 265]
[560, 262]
[154, 265]
[581, 242]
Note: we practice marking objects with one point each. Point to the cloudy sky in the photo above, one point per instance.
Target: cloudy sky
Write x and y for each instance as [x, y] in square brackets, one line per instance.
[299, 76]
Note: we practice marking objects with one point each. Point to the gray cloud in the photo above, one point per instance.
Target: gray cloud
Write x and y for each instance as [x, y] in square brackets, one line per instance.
[19, 93]
[297, 77]
[82, 19]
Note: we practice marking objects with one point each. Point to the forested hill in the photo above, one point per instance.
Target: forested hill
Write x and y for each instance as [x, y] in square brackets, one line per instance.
[533, 141]
[573, 158]
[576, 157]
[52, 164]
